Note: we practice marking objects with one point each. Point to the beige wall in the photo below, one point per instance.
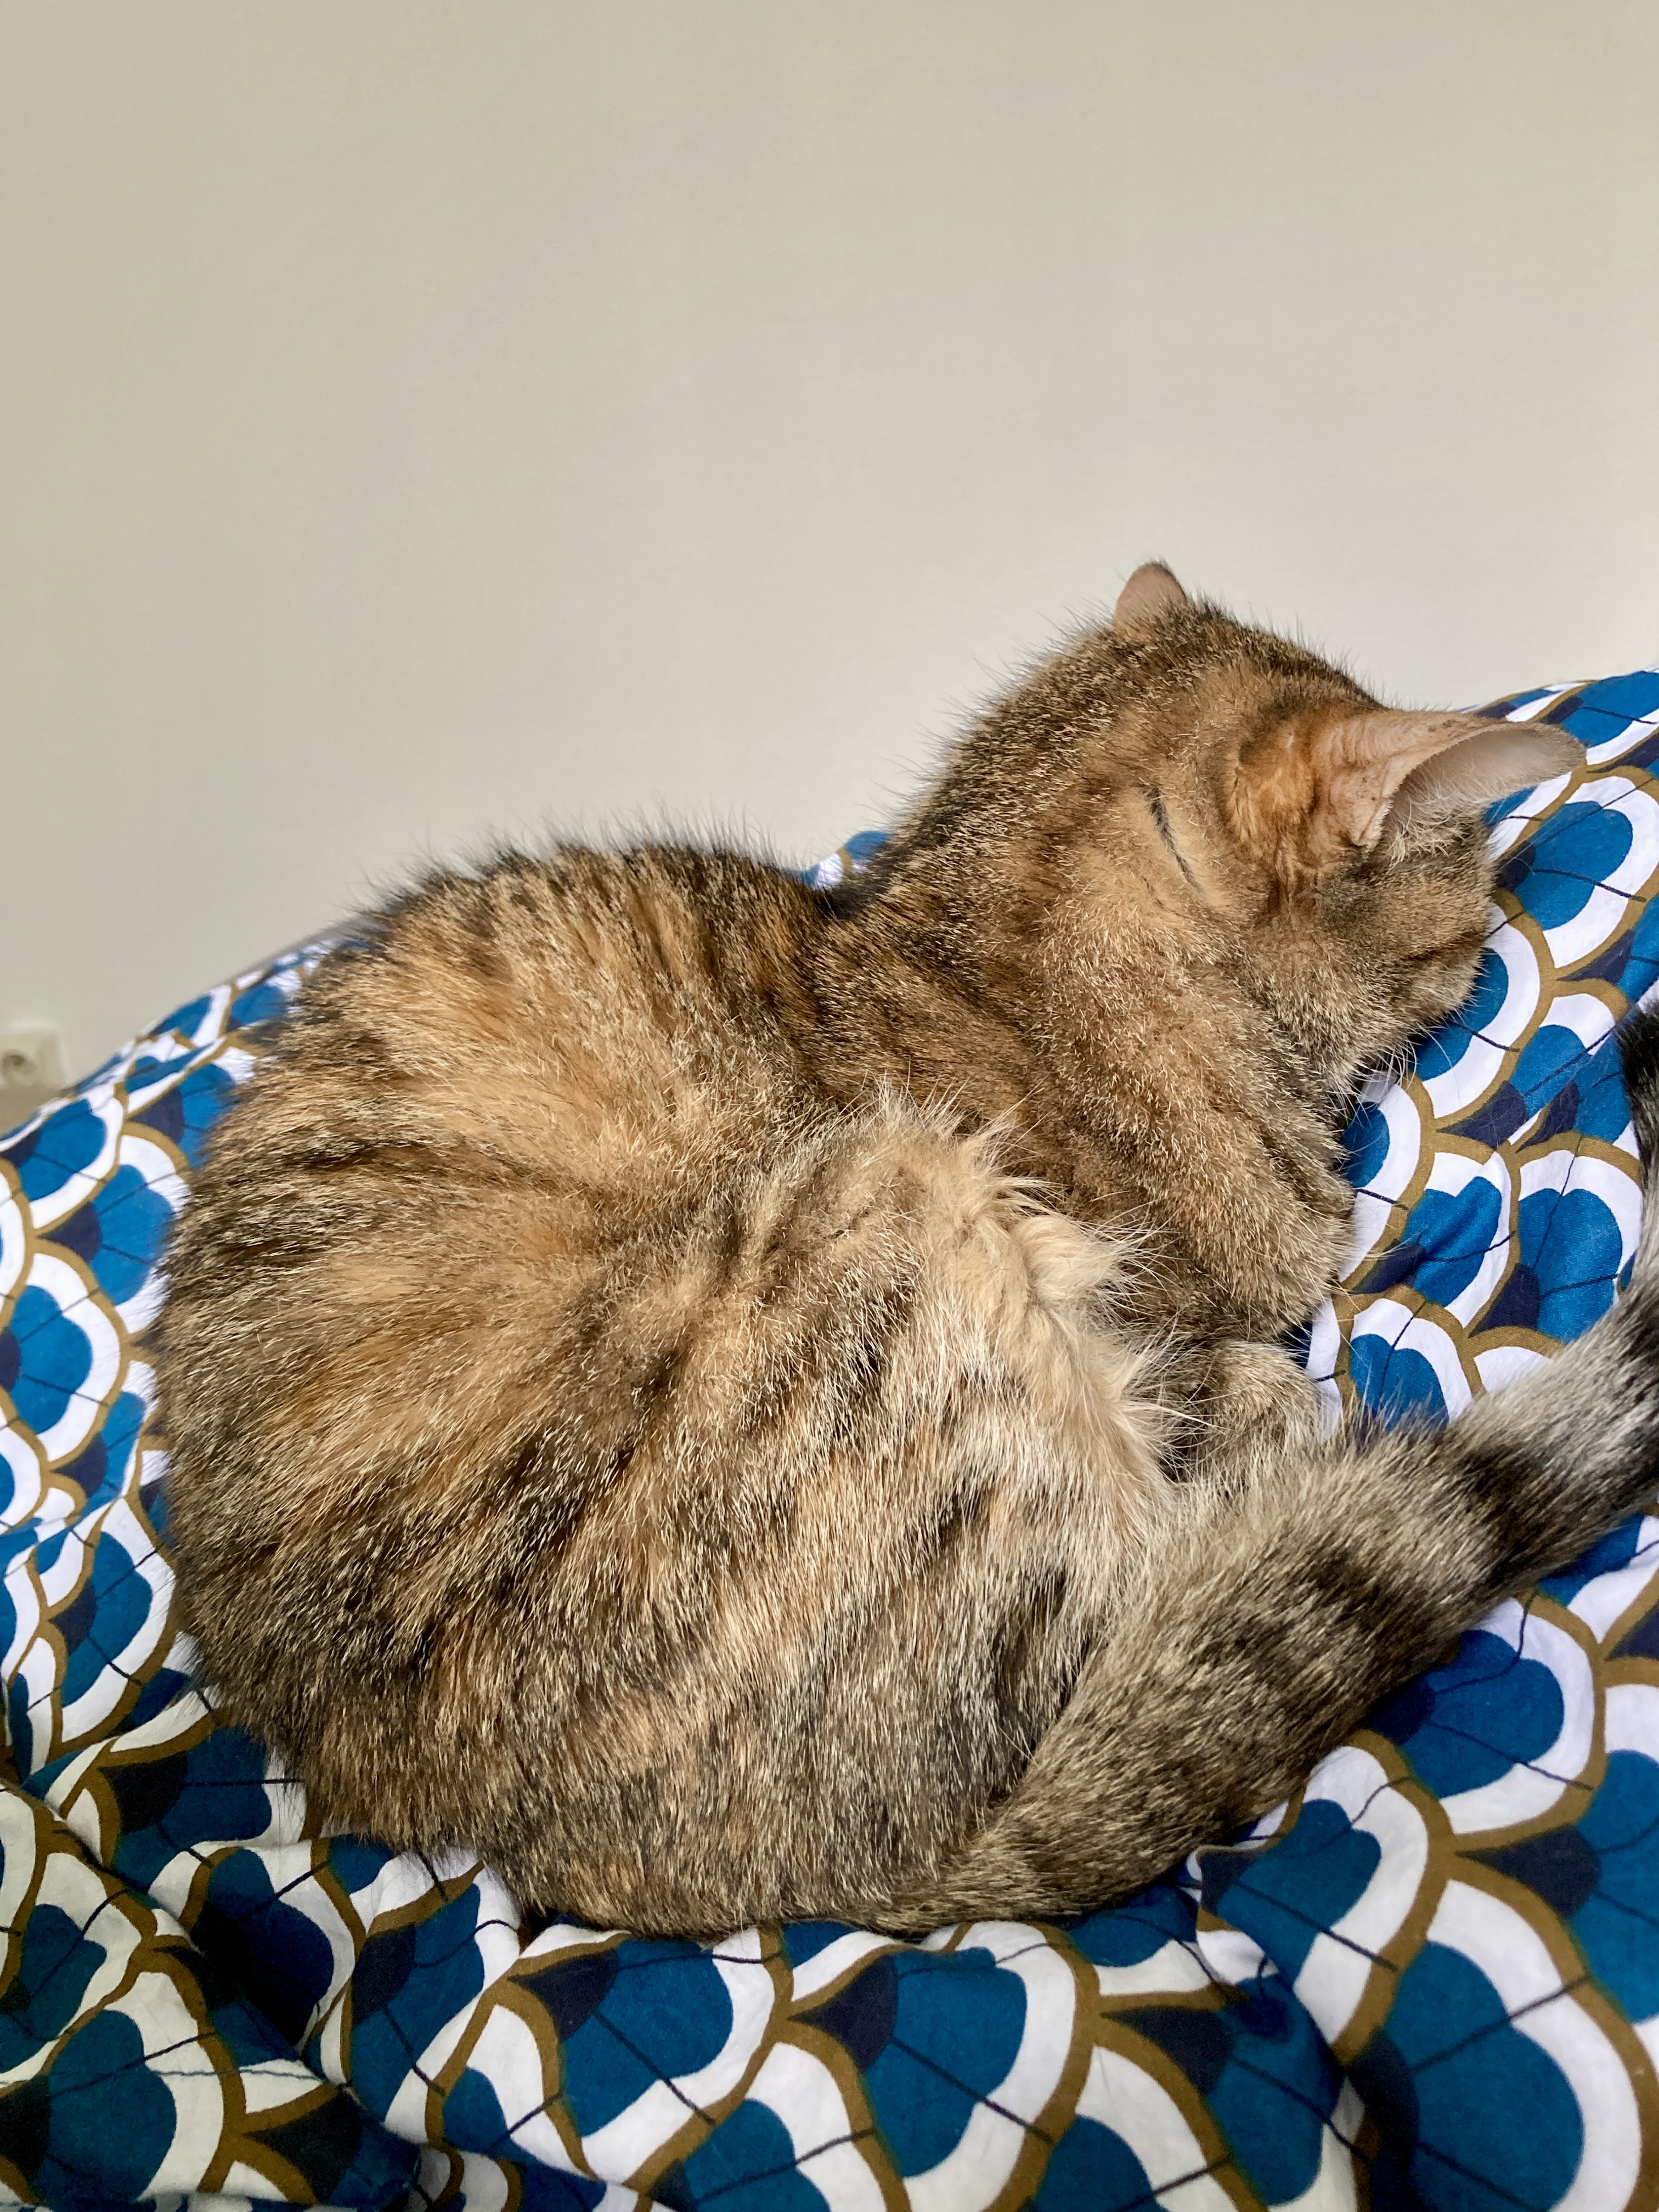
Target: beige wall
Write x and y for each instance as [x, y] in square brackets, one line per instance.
[425, 419]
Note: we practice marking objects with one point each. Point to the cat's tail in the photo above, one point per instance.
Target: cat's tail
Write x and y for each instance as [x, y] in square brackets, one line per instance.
[1274, 1620]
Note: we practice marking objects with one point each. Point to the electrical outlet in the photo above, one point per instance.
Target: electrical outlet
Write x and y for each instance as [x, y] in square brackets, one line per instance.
[31, 1072]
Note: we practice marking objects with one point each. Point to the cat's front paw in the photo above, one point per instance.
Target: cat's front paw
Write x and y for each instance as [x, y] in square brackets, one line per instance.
[1244, 1402]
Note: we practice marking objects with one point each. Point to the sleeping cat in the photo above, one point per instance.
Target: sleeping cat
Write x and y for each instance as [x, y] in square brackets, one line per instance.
[746, 1402]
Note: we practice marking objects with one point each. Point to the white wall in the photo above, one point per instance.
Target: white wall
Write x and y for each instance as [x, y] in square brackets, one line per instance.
[424, 417]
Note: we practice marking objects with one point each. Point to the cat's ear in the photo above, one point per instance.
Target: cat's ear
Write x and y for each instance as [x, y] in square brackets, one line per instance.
[1150, 592]
[1494, 759]
[1314, 791]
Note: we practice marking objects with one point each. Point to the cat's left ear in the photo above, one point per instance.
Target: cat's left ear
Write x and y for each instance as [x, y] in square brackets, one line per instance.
[1315, 791]
[1153, 591]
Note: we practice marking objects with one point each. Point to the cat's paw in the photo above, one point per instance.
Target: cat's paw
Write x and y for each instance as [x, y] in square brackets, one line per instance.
[1252, 1402]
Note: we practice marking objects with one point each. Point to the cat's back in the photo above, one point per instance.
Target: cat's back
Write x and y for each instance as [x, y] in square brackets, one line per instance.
[564, 1009]
[491, 1120]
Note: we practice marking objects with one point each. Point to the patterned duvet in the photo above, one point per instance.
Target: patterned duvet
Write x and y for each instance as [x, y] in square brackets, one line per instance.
[1434, 1980]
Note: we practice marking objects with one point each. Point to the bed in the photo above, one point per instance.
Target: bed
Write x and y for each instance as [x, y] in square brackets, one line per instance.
[1432, 1979]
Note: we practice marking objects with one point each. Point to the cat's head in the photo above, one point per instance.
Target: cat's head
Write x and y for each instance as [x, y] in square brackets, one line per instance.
[1177, 792]
[1339, 845]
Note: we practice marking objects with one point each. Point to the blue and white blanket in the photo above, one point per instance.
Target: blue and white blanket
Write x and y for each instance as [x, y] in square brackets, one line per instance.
[1433, 1981]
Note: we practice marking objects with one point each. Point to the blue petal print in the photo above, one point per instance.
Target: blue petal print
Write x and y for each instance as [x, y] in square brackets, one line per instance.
[1571, 852]
[1572, 1243]
[1453, 1234]
[1464, 1725]
[1605, 1557]
[630, 2015]
[1475, 2116]
[1603, 1108]
[473, 2118]
[1276, 2091]
[1364, 1144]
[186, 1021]
[184, 1114]
[48, 1983]
[1395, 1381]
[166, 1803]
[957, 2020]
[1452, 1039]
[1129, 1934]
[44, 1357]
[1282, 1892]
[410, 1980]
[1618, 1922]
[1602, 709]
[804, 1938]
[1542, 1068]
[67, 1142]
[866, 845]
[112, 1607]
[98, 2084]
[132, 1224]
[748, 2165]
[102, 1466]
[281, 1960]
[1092, 2169]
[265, 1002]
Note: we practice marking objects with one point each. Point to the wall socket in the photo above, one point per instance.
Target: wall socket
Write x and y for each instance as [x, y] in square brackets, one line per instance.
[31, 1072]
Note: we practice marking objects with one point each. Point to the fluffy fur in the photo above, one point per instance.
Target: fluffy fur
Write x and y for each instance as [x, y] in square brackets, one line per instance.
[742, 1403]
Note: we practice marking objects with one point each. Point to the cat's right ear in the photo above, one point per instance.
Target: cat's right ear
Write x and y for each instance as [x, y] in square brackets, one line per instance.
[1150, 592]
[1316, 789]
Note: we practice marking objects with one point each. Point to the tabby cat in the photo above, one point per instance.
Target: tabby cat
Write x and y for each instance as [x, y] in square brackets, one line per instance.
[745, 1401]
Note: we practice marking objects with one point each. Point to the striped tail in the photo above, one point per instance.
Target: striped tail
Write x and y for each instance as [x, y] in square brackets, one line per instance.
[1273, 1619]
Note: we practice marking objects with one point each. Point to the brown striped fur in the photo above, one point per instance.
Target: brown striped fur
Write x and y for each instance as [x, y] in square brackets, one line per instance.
[742, 1403]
